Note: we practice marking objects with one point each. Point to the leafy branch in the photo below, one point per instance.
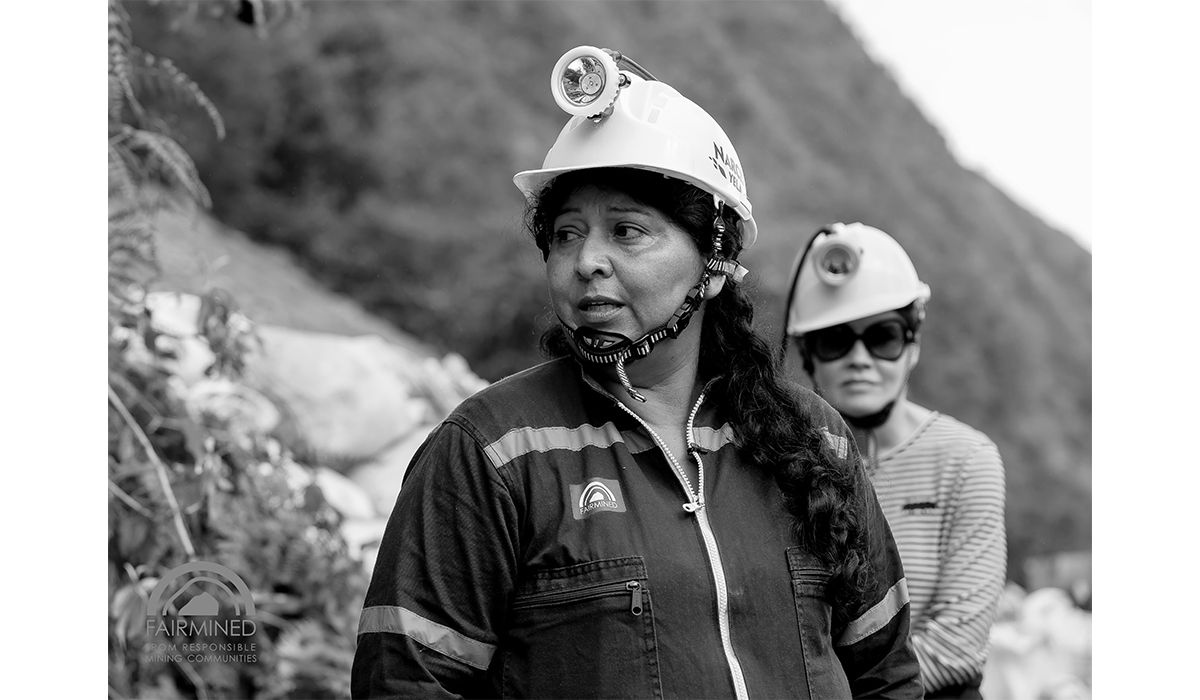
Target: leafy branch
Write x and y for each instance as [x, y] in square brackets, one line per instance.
[160, 469]
[227, 485]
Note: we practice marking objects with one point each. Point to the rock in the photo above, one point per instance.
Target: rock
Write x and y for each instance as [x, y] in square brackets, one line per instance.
[347, 497]
[1040, 647]
[343, 399]
[348, 398]
[380, 478]
[363, 537]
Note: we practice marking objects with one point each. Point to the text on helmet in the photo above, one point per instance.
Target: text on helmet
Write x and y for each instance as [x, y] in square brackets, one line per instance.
[727, 165]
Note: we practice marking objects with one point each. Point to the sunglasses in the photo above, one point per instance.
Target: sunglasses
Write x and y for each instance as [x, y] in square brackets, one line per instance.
[885, 340]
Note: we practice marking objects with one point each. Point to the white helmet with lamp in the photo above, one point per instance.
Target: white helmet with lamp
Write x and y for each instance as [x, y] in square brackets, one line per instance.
[624, 120]
[622, 117]
[847, 272]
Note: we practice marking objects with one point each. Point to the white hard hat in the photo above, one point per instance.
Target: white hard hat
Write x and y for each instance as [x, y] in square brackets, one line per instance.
[850, 271]
[650, 127]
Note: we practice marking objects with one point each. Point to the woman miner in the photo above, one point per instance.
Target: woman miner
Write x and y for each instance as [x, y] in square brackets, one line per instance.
[654, 513]
[856, 306]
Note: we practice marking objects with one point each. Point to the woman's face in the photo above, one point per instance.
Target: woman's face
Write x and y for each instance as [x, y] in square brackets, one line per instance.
[616, 265]
[858, 383]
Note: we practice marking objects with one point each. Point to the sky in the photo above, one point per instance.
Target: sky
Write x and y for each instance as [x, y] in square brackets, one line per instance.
[1007, 82]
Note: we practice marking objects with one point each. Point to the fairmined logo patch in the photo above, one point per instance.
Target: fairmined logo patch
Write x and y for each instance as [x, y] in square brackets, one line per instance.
[595, 496]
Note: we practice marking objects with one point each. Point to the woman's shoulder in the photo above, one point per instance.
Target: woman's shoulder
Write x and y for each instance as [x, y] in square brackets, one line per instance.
[959, 443]
[539, 395]
[816, 409]
[948, 429]
[818, 418]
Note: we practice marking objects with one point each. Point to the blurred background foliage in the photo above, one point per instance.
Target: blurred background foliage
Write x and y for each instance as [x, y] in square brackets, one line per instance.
[192, 475]
[375, 142]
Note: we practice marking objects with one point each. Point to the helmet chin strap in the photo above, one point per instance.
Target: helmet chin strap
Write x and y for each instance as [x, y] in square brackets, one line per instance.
[871, 420]
[604, 348]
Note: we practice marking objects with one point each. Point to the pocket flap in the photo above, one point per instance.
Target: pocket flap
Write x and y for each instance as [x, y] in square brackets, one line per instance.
[591, 573]
[807, 570]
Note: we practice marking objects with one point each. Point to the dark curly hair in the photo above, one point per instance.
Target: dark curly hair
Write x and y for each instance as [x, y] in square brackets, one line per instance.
[772, 431]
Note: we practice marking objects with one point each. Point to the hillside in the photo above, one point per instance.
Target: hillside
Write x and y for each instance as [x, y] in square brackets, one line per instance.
[375, 142]
[197, 253]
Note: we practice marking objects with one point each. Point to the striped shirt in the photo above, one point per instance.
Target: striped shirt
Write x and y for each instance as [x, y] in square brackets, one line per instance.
[942, 490]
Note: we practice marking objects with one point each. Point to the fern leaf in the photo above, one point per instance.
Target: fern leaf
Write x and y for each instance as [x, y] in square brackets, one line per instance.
[161, 77]
[166, 157]
[132, 257]
[121, 183]
[120, 44]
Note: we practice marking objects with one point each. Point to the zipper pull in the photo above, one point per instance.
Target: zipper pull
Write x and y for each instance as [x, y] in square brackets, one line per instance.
[635, 598]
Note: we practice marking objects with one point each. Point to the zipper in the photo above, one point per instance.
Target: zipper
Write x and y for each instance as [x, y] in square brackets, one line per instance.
[718, 573]
[695, 499]
[602, 590]
[696, 505]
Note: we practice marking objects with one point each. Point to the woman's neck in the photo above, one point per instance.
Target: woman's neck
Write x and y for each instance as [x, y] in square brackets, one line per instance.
[667, 378]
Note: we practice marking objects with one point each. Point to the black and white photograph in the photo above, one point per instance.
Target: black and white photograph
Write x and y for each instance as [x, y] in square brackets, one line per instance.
[599, 349]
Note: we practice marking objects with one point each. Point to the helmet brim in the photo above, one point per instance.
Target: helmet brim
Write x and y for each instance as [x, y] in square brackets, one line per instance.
[531, 183]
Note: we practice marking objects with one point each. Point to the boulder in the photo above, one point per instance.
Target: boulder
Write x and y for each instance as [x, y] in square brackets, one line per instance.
[380, 477]
[344, 400]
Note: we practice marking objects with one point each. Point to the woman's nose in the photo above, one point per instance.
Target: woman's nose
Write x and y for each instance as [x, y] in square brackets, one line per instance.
[858, 355]
[594, 259]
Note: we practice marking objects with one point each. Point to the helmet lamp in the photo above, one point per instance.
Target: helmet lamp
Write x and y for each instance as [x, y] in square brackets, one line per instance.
[836, 262]
[585, 81]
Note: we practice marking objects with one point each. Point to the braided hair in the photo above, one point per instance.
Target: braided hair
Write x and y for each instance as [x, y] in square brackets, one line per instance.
[772, 430]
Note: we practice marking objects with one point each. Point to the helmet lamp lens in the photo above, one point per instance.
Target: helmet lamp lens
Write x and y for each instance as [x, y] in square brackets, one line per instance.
[836, 263]
[583, 80]
[884, 340]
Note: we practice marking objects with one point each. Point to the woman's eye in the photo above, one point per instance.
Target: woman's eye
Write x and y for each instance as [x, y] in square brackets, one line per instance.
[561, 235]
[626, 231]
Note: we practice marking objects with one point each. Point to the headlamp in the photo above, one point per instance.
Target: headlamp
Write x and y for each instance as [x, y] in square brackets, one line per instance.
[836, 262]
[586, 80]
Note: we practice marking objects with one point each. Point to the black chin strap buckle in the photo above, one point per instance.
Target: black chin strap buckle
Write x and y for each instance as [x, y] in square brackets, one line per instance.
[599, 344]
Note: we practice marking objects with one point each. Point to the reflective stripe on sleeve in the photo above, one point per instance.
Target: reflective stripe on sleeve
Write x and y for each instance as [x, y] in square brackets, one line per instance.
[713, 439]
[877, 617]
[442, 639]
[521, 441]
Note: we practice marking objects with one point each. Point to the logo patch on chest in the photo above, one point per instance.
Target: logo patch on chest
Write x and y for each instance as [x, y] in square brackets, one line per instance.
[594, 496]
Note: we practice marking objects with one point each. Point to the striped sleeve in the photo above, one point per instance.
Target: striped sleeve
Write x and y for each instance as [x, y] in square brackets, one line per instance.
[951, 638]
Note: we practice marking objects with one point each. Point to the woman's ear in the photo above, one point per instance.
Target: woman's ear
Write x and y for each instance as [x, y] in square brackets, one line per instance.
[715, 284]
[914, 356]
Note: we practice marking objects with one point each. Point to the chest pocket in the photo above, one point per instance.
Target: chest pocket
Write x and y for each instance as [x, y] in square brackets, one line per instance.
[810, 591]
[585, 630]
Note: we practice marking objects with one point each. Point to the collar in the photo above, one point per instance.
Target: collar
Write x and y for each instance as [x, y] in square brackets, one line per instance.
[595, 386]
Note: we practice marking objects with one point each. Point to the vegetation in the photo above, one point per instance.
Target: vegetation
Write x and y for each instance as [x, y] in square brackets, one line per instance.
[376, 141]
[188, 483]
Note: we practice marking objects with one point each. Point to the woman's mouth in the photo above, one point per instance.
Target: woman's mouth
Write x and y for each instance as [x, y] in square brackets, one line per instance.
[598, 310]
